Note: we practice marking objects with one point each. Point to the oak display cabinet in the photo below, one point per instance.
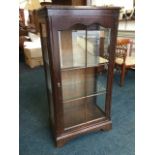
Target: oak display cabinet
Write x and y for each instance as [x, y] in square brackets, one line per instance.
[78, 45]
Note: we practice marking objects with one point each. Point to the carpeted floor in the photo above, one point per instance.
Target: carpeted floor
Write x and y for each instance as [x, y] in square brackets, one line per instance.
[35, 135]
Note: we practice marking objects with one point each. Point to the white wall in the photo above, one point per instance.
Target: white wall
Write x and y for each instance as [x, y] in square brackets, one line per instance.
[127, 25]
[127, 4]
[29, 4]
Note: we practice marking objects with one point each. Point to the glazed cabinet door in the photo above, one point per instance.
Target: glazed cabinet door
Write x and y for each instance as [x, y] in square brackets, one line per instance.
[84, 60]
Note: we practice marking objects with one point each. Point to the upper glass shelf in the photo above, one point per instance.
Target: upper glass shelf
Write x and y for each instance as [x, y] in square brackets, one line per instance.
[102, 63]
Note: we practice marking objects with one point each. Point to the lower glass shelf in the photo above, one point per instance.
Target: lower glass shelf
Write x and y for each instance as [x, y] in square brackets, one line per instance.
[80, 83]
[83, 110]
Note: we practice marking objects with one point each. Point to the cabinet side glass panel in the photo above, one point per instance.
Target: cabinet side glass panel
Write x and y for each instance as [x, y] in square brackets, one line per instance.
[83, 74]
[47, 69]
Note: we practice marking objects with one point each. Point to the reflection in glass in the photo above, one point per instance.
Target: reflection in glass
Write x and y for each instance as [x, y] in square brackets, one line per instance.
[83, 48]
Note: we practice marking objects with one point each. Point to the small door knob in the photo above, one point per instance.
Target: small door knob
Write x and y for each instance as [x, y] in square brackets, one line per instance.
[58, 84]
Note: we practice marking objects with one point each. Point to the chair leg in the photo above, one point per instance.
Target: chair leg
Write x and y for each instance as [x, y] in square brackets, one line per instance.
[122, 75]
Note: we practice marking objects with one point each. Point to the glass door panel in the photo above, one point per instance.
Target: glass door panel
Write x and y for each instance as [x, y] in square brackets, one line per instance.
[97, 46]
[83, 110]
[92, 48]
[72, 49]
[84, 65]
[83, 82]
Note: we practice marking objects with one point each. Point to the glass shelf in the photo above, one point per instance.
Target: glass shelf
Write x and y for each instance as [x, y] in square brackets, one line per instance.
[103, 63]
[77, 84]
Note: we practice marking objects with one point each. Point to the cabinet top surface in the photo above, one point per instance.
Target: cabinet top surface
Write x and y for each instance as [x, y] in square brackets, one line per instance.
[62, 7]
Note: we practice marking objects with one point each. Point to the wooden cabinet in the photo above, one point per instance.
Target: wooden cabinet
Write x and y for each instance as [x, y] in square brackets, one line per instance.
[78, 45]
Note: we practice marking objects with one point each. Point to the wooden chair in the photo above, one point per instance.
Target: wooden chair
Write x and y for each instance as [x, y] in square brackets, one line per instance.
[124, 58]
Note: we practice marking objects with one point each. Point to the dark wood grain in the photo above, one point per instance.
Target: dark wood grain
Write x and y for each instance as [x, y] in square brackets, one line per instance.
[74, 99]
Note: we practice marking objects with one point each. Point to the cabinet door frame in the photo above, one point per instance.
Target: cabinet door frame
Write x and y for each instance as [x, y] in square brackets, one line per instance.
[63, 20]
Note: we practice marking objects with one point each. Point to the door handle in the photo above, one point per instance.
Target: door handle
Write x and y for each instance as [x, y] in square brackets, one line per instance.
[59, 84]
